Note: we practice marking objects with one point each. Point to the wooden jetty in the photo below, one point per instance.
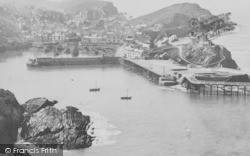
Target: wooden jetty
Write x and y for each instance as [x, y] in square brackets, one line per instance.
[216, 87]
[153, 69]
[157, 69]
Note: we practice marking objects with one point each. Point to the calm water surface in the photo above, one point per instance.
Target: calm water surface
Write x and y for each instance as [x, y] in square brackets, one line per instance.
[156, 121]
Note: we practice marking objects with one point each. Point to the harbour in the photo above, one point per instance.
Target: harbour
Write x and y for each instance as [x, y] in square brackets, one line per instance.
[156, 116]
[165, 73]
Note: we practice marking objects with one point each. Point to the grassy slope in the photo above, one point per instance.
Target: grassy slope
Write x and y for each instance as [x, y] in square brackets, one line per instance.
[167, 14]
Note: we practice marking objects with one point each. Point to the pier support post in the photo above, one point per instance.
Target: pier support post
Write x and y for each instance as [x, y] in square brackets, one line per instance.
[217, 89]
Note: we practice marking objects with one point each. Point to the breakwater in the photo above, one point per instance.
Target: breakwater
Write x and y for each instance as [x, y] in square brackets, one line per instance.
[49, 61]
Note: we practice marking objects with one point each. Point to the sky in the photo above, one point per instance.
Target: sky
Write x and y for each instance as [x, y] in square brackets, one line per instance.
[240, 9]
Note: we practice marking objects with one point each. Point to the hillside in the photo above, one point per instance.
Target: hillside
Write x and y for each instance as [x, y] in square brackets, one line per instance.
[8, 26]
[105, 7]
[172, 15]
[175, 17]
[70, 6]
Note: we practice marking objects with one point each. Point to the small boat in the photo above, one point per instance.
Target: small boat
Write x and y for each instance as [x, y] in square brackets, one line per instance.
[167, 81]
[170, 83]
[94, 89]
[126, 97]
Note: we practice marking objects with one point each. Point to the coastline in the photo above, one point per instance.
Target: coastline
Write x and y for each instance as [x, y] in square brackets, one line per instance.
[39, 123]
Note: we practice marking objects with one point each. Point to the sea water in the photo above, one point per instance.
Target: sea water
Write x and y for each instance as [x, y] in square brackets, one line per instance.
[157, 121]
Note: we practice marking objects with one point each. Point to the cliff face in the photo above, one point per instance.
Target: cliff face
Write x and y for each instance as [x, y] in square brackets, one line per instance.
[10, 117]
[45, 124]
[229, 62]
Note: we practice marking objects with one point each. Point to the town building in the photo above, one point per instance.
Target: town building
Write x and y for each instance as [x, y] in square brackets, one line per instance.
[57, 37]
[91, 39]
[129, 52]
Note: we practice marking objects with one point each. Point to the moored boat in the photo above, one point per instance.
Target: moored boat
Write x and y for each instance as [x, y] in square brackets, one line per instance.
[126, 97]
[94, 89]
[167, 81]
[170, 83]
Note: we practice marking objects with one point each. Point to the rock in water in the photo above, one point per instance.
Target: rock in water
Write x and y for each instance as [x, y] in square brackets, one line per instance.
[10, 117]
[36, 104]
[45, 124]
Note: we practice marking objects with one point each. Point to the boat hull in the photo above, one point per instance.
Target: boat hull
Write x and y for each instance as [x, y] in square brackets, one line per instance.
[126, 98]
[170, 83]
[94, 90]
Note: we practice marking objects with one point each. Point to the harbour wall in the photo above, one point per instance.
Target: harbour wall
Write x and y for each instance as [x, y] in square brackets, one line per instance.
[78, 61]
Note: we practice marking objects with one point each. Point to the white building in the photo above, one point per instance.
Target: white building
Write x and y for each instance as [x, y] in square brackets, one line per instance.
[91, 39]
[57, 37]
[129, 52]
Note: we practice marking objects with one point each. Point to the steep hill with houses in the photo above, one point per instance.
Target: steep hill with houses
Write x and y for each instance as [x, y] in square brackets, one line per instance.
[8, 26]
[102, 8]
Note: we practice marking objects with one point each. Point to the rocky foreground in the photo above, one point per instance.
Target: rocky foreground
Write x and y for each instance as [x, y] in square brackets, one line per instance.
[42, 123]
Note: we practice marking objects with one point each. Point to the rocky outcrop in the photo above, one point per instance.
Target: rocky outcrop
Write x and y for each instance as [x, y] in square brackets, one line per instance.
[42, 123]
[34, 105]
[206, 54]
[45, 124]
[10, 117]
[197, 53]
[228, 61]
